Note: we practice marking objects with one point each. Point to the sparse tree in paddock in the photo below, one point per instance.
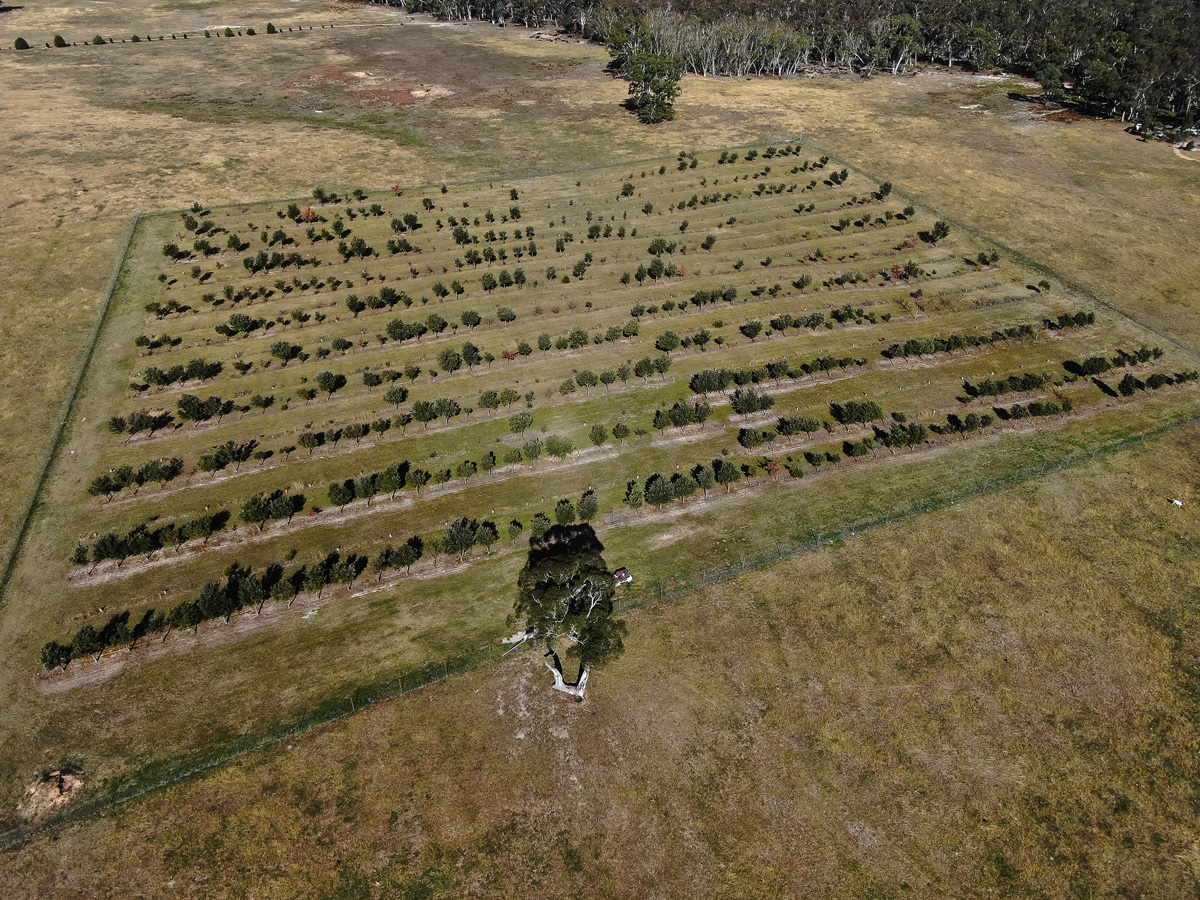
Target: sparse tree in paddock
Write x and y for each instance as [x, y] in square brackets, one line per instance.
[565, 592]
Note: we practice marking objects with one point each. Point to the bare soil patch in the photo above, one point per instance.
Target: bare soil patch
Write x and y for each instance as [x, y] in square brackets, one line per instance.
[1064, 116]
[364, 88]
[48, 793]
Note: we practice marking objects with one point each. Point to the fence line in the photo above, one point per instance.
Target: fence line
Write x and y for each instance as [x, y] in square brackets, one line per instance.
[1021, 257]
[660, 590]
[9, 563]
[171, 773]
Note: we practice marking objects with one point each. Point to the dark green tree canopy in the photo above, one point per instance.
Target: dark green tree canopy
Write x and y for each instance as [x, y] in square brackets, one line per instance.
[653, 85]
[565, 592]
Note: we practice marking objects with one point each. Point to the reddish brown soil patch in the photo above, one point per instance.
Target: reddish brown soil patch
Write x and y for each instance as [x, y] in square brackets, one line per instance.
[47, 794]
[325, 75]
[362, 88]
[393, 95]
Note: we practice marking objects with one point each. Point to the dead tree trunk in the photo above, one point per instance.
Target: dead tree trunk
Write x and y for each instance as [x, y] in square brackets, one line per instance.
[560, 684]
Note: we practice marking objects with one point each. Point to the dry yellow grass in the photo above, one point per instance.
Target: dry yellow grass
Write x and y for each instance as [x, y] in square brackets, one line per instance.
[706, 757]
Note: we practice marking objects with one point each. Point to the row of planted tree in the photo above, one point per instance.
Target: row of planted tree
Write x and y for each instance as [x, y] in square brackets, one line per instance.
[242, 590]
[451, 360]
[241, 323]
[261, 509]
[59, 42]
[703, 383]
[470, 355]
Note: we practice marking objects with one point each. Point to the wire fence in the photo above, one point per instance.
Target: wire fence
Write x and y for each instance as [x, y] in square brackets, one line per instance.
[9, 561]
[167, 774]
[1021, 257]
[670, 588]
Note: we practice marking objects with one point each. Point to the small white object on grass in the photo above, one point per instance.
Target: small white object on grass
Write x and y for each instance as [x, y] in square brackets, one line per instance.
[1178, 503]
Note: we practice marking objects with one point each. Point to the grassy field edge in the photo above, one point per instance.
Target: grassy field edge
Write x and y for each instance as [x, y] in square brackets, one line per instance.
[1023, 258]
[58, 435]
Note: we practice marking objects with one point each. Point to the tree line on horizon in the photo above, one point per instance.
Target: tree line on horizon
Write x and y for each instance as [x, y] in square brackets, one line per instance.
[1133, 61]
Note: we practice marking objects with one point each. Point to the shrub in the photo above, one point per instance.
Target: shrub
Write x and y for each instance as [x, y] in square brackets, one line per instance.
[271, 28]
[747, 400]
[564, 512]
[557, 447]
[58, 41]
[751, 438]
[21, 44]
[97, 40]
[228, 31]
